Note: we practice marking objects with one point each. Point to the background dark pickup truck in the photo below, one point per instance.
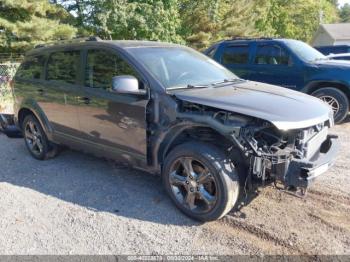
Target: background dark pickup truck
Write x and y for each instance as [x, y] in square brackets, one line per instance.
[289, 63]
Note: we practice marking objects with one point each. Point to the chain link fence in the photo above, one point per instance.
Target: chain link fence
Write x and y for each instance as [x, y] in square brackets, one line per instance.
[7, 72]
[11, 58]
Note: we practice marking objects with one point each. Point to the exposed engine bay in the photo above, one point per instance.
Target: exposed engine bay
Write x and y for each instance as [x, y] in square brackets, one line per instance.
[269, 153]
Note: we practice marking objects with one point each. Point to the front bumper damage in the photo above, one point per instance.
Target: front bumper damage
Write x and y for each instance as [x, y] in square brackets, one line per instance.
[301, 172]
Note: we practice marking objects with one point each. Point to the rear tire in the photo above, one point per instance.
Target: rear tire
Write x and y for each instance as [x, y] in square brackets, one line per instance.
[335, 98]
[200, 181]
[36, 140]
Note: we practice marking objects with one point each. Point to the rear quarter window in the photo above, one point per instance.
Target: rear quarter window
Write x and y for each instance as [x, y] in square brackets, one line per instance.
[235, 54]
[31, 68]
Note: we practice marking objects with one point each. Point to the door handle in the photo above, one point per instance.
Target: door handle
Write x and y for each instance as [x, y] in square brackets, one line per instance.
[84, 99]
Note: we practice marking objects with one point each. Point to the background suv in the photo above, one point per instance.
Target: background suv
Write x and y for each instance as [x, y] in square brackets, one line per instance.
[289, 63]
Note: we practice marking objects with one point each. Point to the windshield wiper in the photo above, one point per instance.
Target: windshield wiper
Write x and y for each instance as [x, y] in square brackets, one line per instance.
[189, 86]
[197, 86]
[233, 80]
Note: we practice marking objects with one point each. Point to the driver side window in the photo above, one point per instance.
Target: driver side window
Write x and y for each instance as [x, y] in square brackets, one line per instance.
[102, 66]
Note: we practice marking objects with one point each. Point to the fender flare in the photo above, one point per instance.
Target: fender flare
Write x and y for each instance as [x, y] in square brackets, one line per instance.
[166, 138]
[37, 111]
[313, 85]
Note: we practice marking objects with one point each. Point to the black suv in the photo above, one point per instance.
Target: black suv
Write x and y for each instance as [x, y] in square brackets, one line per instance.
[168, 109]
[289, 63]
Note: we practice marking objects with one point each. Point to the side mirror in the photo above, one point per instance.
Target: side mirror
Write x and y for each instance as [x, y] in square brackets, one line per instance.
[126, 85]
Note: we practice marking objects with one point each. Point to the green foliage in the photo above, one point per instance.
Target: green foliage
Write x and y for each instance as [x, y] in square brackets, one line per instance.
[25, 23]
[131, 19]
[83, 11]
[345, 14]
[239, 20]
[207, 21]
[298, 19]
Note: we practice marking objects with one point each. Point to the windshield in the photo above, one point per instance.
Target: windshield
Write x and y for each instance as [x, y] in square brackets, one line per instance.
[180, 67]
[304, 51]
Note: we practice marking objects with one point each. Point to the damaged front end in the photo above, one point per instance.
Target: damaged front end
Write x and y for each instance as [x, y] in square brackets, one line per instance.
[292, 158]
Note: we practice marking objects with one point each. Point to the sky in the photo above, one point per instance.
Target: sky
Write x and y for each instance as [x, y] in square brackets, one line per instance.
[342, 2]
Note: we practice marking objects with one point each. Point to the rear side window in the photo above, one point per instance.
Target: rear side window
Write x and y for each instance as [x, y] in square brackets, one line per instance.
[102, 66]
[63, 66]
[271, 55]
[31, 68]
[238, 54]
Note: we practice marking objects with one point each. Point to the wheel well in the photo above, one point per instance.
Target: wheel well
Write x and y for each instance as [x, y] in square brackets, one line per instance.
[203, 134]
[22, 114]
[320, 85]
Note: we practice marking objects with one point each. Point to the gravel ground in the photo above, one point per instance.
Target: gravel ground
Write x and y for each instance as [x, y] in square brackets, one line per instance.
[78, 204]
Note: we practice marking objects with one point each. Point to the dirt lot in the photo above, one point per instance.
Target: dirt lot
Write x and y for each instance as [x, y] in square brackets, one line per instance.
[77, 204]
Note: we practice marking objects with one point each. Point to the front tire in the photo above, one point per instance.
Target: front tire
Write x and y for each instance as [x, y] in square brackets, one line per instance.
[336, 99]
[200, 181]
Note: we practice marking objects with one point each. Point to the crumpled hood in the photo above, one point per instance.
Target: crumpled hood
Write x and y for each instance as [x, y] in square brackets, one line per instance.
[284, 108]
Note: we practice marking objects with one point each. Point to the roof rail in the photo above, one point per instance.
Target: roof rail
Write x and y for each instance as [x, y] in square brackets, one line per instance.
[252, 38]
[68, 41]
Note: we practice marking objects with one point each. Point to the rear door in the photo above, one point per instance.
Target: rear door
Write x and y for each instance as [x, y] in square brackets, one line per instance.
[273, 64]
[62, 93]
[235, 57]
[113, 122]
[29, 81]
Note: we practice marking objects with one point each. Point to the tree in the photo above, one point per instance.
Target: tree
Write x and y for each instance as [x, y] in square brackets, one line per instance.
[239, 20]
[132, 19]
[25, 23]
[207, 21]
[333, 2]
[345, 14]
[82, 12]
[298, 19]
[199, 25]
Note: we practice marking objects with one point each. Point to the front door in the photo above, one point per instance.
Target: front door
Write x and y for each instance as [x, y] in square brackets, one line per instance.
[112, 122]
[274, 65]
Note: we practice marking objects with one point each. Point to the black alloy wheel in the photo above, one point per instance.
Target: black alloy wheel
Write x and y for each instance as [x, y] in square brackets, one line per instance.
[200, 180]
[193, 185]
